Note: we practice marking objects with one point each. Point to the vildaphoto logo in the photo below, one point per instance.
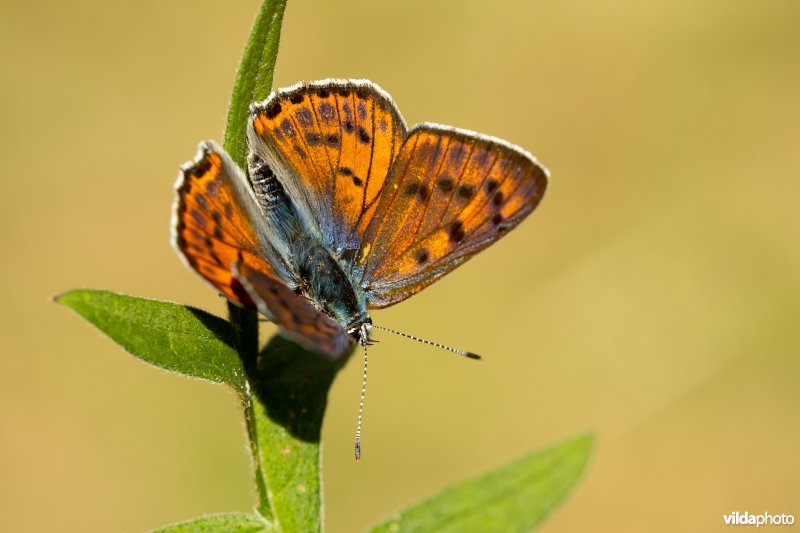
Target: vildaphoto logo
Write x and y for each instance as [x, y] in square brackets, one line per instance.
[765, 519]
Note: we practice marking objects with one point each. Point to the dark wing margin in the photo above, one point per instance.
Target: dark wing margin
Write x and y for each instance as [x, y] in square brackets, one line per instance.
[450, 194]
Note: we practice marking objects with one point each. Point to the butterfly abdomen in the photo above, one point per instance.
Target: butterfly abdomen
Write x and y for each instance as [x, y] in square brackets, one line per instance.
[268, 190]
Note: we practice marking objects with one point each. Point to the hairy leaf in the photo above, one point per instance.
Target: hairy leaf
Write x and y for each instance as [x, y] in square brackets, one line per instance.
[221, 523]
[171, 336]
[254, 78]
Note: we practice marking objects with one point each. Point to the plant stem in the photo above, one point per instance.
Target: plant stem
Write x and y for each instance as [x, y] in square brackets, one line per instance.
[245, 326]
[290, 393]
[284, 408]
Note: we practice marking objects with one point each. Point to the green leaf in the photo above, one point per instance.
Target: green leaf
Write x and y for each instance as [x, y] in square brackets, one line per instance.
[289, 395]
[221, 523]
[171, 336]
[254, 78]
[515, 497]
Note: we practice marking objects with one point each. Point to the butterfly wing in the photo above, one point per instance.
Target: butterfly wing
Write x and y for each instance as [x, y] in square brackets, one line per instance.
[330, 144]
[220, 232]
[216, 220]
[450, 194]
[295, 316]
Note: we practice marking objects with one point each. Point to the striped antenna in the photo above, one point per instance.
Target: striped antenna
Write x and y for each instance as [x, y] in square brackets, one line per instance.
[438, 345]
[361, 407]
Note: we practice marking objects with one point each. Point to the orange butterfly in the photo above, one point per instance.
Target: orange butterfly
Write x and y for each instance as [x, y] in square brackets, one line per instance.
[344, 209]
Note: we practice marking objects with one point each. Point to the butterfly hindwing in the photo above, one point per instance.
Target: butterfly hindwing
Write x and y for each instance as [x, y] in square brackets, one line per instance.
[449, 194]
[295, 316]
[216, 221]
[330, 144]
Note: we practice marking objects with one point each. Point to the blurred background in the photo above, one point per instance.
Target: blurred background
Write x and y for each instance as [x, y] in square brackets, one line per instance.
[653, 298]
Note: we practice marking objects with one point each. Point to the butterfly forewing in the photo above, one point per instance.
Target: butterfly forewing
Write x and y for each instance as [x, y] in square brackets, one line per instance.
[330, 144]
[216, 222]
[449, 194]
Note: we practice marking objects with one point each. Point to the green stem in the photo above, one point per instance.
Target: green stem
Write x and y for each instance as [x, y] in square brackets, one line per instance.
[284, 406]
[245, 327]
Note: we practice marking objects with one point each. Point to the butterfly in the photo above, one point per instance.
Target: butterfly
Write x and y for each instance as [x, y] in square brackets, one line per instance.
[344, 209]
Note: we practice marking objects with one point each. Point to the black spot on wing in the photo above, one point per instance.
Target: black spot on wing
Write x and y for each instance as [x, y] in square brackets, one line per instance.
[347, 171]
[466, 191]
[445, 184]
[333, 140]
[455, 231]
[363, 136]
[273, 109]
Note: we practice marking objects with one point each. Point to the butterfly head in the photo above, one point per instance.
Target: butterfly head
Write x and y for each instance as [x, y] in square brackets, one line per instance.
[361, 332]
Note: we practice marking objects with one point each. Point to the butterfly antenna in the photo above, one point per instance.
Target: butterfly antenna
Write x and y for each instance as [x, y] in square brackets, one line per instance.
[438, 345]
[361, 407]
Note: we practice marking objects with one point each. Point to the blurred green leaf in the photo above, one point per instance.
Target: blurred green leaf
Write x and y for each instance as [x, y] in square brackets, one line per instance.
[171, 336]
[221, 523]
[515, 497]
[254, 78]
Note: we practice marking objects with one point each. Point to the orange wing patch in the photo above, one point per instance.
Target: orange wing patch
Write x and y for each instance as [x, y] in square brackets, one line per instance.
[212, 227]
[450, 193]
[337, 139]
